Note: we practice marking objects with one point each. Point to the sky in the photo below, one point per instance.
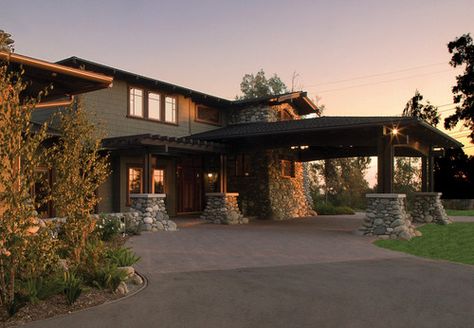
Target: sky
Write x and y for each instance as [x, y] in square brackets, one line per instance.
[355, 57]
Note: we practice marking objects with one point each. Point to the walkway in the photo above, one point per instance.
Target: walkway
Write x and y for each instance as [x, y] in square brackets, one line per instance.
[303, 273]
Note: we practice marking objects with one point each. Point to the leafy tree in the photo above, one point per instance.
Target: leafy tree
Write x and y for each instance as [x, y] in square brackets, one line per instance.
[6, 42]
[80, 170]
[407, 175]
[462, 50]
[427, 112]
[256, 86]
[454, 174]
[20, 154]
[343, 180]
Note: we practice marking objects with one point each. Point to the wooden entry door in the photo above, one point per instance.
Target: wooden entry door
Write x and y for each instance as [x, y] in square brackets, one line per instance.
[190, 185]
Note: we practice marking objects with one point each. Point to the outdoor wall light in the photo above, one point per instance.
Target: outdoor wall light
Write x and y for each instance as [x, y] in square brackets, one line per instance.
[394, 131]
[210, 175]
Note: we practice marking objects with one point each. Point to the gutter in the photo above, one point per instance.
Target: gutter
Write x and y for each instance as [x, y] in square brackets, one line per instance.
[56, 68]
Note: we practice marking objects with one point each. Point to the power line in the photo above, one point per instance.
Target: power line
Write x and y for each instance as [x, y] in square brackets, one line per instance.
[381, 82]
[361, 77]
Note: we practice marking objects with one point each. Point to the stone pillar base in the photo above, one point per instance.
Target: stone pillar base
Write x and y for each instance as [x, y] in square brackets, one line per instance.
[222, 208]
[427, 208]
[151, 209]
[386, 217]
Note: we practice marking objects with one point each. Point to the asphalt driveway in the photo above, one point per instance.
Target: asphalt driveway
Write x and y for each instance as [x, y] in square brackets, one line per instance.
[303, 273]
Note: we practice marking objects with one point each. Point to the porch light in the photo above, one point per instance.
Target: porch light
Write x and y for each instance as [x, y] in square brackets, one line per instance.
[210, 175]
[394, 131]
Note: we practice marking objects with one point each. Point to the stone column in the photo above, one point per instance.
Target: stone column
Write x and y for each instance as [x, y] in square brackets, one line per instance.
[427, 208]
[222, 208]
[152, 212]
[386, 217]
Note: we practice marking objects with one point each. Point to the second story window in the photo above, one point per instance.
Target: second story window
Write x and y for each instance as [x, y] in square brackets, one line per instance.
[136, 102]
[154, 106]
[170, 109]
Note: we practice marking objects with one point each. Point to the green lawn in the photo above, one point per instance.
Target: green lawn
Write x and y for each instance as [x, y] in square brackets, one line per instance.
[460, 212]
[453, 242]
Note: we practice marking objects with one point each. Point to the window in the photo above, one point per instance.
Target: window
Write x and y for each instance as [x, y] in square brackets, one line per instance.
[136, 102]
[158, 184]
[170, 109]
[242, 165]
[287, 168]
[208, 115]
[154, 106]
[135, 182]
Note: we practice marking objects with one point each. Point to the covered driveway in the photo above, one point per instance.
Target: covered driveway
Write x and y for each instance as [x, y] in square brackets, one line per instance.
[311, 272]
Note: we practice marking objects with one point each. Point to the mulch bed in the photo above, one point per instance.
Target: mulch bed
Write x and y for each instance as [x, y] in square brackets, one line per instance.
[56, 305]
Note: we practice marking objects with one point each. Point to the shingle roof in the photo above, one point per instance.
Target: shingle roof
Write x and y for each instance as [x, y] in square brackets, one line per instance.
[320, 124]
[281, 127]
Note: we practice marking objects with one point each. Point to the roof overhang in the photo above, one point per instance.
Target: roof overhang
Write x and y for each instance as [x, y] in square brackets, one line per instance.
[162, 144]
[65, 81]
[331, 137]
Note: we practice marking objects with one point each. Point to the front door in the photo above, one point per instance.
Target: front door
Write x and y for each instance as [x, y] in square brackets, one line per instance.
[190, 185]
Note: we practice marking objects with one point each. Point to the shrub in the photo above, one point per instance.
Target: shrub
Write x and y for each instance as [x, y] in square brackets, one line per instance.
[107, 228]
[72, 287]
[329, 209]
[109, 276]
[93, 259]
[122, 257]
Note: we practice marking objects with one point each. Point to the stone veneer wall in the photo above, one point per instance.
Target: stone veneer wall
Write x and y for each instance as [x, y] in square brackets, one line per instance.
[427, 208]
[386, 217]
[266, 194]
[287, 195]
[151, 211]
[222, 208]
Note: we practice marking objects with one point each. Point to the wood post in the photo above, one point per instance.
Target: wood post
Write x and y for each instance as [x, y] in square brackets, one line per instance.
[385, 156]
[424, 173]
[223, 173]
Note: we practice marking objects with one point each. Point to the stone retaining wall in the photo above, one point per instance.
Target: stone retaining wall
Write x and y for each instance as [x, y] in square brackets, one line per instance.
[222, 208]
[386, 217]
[427, 208]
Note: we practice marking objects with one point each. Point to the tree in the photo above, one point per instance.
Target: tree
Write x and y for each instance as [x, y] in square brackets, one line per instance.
[407, 175]
[343, 180]
[6, 42]
[427, 112]
[454, 174]
[80, 170]
[20, 154]
[256, 86]
[462, 50]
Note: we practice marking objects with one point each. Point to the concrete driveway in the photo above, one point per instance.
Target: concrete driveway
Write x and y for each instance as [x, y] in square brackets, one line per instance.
[303, 273]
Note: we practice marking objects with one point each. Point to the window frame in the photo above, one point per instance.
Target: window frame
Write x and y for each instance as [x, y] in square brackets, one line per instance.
[201, 120]
[153, 191]
[145, 106]
[142, 179]
[160, 110]
[292, 167]
[129, 98]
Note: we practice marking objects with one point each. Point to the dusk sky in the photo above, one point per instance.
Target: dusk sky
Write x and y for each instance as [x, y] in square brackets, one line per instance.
[359, 57]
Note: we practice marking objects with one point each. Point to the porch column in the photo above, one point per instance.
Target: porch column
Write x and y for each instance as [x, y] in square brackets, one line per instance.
[430, 171]
[385, 155]
[147, 173]
[424, 173]
[223, 173]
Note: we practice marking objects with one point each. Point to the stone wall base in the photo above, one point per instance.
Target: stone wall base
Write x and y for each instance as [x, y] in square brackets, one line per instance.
[150, 212]
[386, 217]
[428, 208]
[222, 208]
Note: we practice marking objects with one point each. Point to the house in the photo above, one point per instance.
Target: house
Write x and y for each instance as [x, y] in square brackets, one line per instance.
[189, 146]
